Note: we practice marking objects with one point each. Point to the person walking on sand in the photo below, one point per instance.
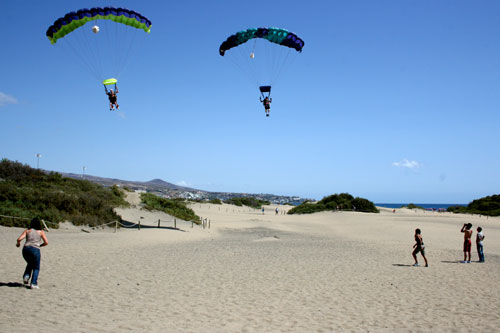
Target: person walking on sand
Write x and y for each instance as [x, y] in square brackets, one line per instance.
[479, 243]
[419, 247]
[466, 229]
[35, 238]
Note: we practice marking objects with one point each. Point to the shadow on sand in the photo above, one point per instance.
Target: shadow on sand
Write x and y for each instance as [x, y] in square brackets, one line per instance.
[402, 265]
[12, 285]
[131, 225]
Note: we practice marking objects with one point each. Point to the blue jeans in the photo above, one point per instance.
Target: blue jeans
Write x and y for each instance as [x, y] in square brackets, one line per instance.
[32, 256]
[480, 252]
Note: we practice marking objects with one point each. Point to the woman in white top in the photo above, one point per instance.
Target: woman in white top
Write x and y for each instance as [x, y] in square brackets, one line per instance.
[35, 238]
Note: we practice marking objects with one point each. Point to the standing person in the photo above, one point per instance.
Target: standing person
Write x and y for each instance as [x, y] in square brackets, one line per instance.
[419, 247]
[35, 238]
[479, 243]
[277, 210]
[262, 210]
[466, 229]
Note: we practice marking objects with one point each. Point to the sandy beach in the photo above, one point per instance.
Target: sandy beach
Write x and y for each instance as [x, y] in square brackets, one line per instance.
[326, 272]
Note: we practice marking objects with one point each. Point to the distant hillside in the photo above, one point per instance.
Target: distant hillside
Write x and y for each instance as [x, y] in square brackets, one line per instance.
[152, 185]
[169, 190]
[26, 192]
[489, 205]
[343, 201]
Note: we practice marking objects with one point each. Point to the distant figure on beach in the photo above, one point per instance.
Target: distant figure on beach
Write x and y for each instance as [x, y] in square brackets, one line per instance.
[262, 210]
[276, 210]
[112, 98]
[419, 247]
[35, 238]
[267, 104]
[479, 243]
[393, 211]
[466, 229]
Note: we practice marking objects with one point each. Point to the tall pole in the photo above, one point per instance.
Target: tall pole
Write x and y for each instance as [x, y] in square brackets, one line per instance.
[38, 160]
[83, 172]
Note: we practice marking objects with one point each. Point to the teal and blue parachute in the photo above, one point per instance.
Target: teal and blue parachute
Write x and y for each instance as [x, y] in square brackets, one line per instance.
[262, 54]
[274, 35]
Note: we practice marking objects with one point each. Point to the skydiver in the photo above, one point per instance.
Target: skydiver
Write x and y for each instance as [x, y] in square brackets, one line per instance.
[267, 104]
[112, 98]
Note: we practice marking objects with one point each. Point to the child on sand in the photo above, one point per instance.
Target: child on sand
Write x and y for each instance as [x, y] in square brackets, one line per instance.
[479, 243]
[35, 238]
[466, 229]
[419, 247]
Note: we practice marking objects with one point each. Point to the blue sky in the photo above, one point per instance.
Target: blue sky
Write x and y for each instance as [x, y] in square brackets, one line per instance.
[394, 101]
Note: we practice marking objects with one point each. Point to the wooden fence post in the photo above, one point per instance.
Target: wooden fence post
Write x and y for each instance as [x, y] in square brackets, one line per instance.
[158, 223]
[139, 225]
[116, 225]
[208, 224]
[175, 223]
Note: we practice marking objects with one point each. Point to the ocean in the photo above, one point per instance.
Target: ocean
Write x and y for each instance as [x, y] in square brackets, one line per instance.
[430, 206]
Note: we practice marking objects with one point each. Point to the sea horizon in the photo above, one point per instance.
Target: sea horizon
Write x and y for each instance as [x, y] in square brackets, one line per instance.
[423, 205]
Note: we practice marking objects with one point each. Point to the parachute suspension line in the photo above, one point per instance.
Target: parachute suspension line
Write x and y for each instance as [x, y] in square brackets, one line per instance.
[128, 53]
[252, 55]
[283, 65]
[84, 61]
[248, 65]
[91, 48]
[99, 56]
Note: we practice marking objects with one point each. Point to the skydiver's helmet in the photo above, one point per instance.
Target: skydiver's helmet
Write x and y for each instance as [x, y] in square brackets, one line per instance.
[111, 91]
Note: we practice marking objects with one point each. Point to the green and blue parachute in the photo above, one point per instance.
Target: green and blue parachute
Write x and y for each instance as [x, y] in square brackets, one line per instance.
[73, 20]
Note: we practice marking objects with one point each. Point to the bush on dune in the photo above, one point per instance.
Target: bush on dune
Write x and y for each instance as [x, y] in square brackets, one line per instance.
[172, 207]
[343, 201]
[247, 201]
[26, 192]
[489, 205]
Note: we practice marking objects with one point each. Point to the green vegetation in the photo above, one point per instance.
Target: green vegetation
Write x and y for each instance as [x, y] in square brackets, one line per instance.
[26, 192]
[215, 201]
[247, 201]
[172, 207]
[343, 201]
[489, 205]
[413, 206]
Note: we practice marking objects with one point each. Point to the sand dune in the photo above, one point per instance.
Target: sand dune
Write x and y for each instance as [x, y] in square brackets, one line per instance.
[326, 272]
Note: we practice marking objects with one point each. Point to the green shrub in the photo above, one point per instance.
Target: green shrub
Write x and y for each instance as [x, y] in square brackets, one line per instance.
[172, 207]
[489, 205]
[343, 201]
[215, 201]
[247, 201]
[27, 192]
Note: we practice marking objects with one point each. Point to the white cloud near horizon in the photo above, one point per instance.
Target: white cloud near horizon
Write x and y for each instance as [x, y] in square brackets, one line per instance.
[6, 99]
[183, 183]
[405, 163]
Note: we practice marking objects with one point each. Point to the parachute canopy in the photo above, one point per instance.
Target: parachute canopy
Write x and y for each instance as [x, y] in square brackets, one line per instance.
[264, 89]
[274, 35]
[109, 81]
[73, 20]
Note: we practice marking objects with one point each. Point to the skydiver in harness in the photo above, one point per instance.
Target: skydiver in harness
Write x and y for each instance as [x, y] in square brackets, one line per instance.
[267, 100]
[112, 98]
[267, 104]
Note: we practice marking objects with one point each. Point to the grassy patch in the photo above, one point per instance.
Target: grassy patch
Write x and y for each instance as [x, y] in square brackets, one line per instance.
[27, 192]
[174, 208]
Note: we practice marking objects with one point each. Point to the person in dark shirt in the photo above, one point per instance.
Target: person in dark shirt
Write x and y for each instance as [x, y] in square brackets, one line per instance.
[267, 104]
[112, 98]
